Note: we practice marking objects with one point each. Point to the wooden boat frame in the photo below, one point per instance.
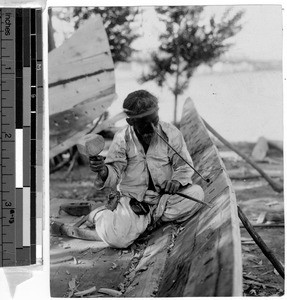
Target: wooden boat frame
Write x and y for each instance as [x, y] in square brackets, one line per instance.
[81, 84]
[207, 256]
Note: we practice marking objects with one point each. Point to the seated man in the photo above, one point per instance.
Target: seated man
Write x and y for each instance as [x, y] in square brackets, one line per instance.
[147, 173]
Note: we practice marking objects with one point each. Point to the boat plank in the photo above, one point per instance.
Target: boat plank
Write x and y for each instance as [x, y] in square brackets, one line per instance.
[70, 94]
[76, 118]
[81, 84]
[151, 266]
[56, 148]
[64, 125]
[206, 260]
[87, 43]
[176, 272]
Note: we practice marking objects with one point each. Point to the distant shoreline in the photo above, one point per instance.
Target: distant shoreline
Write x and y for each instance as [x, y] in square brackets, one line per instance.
[242, 106]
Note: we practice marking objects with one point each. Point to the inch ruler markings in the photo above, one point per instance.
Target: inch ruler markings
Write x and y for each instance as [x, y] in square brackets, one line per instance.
[8, 103]
[21, 98]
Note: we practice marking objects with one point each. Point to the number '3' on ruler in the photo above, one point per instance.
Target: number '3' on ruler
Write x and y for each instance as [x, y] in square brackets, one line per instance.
[21, 136]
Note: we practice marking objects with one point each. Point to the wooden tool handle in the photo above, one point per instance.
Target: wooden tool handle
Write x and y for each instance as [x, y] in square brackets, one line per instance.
[96, 157]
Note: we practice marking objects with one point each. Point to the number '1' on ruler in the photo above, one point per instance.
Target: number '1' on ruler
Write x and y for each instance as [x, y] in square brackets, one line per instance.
[21, 136]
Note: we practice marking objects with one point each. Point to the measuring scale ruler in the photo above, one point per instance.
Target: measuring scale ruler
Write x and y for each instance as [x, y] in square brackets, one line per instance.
[21, 136]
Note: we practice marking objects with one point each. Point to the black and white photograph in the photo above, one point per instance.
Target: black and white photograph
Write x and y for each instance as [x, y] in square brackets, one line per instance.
[166, 151]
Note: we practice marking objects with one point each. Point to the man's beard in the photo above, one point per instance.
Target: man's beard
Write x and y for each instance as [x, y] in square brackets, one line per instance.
[147, 137]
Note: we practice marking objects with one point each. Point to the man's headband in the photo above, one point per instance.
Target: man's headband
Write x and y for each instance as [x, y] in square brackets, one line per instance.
[132, 115]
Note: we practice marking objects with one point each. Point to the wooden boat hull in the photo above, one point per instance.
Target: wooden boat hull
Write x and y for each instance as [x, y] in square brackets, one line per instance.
[206, 258]
[81, 84]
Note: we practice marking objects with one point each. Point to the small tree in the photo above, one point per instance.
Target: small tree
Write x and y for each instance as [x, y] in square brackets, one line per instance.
[186, 43]
[118, 22]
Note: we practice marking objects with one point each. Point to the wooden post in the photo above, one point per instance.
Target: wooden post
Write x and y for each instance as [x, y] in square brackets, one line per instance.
[261, 244]
[276, 186]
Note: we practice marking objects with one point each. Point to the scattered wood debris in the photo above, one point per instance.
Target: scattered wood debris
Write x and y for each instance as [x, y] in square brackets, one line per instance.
[61, 260]
[268, 272]
[76, 262]
[247, 241]
[85, 292]
[256, 283]
[72, 287]
[252, 278]
[261, 218]
[72, 283]
[114, 266]
[110, 292]
[86, 249]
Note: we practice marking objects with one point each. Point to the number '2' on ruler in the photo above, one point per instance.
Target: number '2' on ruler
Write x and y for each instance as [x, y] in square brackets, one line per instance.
[21, 136]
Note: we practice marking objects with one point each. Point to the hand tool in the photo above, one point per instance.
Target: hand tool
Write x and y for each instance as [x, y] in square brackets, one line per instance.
[91, 145]
[163, 139]
[194, 199]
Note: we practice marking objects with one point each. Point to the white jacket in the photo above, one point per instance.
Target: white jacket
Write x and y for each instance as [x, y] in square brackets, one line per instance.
[127, 162]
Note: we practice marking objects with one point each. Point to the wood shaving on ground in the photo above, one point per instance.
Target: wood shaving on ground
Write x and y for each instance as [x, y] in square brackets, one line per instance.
[252, 278]
[268, 272]
[76, 262]
[72, 284]
[86, 249]
[256, 283]
[85, 292]
[114, 266]
[61, 260]
[110, 292]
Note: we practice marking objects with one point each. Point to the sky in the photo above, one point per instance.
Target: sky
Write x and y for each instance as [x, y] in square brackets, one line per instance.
[259, 39]
[261, 36]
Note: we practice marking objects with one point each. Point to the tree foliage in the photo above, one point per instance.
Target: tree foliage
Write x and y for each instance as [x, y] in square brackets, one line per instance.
[186, 43]
[118, 22]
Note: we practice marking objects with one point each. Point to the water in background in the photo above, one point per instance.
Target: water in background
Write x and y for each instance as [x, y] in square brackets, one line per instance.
[241, 106]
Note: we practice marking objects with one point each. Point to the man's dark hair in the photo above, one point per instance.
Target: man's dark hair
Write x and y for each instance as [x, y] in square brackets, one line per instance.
[139, 102]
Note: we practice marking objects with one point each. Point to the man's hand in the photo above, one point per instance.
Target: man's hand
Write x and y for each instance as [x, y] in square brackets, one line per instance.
[171, 186]
[97, 165]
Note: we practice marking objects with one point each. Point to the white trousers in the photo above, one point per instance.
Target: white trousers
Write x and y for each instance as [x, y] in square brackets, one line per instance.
[121, 227]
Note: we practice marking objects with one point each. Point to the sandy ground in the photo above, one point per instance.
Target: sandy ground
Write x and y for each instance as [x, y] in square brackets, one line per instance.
[256, 198]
